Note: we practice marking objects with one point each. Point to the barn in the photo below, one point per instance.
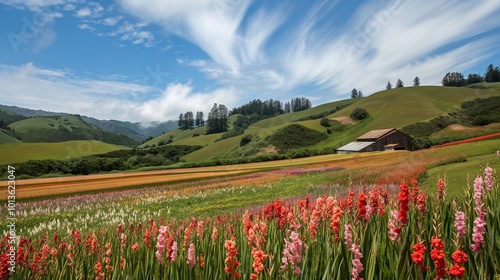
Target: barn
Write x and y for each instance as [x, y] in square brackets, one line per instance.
[388, 139]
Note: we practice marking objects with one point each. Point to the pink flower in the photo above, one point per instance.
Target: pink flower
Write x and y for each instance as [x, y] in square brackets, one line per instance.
[394, 229]
[348, 235]
[191, 256]
[478, 194]
[478, 232]
[292, 254]
[357, 266]
[480, 221]
[160, 244]
[460, 224]
[488, 178]
[173, 256]
[215, 233]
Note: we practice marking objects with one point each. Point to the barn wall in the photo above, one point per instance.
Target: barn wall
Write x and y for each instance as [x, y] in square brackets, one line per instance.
[394, 137]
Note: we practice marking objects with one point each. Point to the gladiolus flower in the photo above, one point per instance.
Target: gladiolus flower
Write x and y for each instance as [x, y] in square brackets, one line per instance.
[457, 271]
[460, 224]
[488, 178]
[215, 233]
[292, 254]
[362, 207]
[231, 261]
[394, 230]
[440, 189]
[459, 256]
[135, 247]
[258, 259]
[418, 255]
[191, 260]
[404, 202]
[357, 266]
[438, 256]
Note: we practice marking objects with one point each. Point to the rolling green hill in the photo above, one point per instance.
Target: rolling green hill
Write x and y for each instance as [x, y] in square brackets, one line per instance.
[64, 128]
[21, 152]
[391, 108]
[6, 138]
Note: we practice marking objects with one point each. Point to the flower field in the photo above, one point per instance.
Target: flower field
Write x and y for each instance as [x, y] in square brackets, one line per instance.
[372, 232]
[356, 218]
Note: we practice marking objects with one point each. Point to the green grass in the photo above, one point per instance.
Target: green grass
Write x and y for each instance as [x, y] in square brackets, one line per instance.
[478, 154]
[459, 130]
[21, 152]
[64, 128]
[69, 123]
[4, 138]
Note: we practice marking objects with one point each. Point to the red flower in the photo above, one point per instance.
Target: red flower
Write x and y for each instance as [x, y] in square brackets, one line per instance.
[404, 201]
[459, 256]
[438, 256]
[362, 206]
[418, 255]
[440, 189]
[457, 271]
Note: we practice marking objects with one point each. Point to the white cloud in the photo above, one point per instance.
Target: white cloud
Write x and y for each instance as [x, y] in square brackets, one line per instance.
[62, 91]
[111, 21]
[85, 26]
[84, 12]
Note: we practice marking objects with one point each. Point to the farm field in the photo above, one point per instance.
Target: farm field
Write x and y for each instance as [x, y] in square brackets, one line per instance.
[231, 221]
[21, 152]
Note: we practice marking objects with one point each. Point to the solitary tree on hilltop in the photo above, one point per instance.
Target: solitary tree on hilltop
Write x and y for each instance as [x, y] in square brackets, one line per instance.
[354, 93]
[416, 82]
[388, 86]
[399, 83]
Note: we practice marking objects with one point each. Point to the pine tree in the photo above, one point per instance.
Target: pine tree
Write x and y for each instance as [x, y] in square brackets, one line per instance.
[416, 82]
[180, 123]
[354, 93]
[399, 83]
[388, 86]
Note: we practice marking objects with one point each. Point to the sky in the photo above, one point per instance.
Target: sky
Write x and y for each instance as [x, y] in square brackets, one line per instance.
[150, 60]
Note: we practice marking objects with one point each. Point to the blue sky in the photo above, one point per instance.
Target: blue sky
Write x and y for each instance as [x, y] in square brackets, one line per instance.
[152, 60]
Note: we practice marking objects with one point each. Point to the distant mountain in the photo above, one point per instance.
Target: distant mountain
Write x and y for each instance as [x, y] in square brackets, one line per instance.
[29, 112]
[134, 130]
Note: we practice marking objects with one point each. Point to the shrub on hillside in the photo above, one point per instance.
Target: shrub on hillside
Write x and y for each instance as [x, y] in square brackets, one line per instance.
[295, 136]
[359, 114]
[325, 122]
[245, 140]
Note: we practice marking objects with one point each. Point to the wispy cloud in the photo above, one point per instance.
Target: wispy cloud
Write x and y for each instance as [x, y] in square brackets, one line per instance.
[214, 26]
[381, 41]
[63, 91]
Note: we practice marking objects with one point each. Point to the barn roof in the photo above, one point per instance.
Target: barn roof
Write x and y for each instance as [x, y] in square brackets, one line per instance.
[355, 146]
[375, 134]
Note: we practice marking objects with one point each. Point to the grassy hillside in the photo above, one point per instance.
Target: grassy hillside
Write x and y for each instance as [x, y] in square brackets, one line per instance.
[21, 152]
[6, 138]
[391, 108]
[64, 128]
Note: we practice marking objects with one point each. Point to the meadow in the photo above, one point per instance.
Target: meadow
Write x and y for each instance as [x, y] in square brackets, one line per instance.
[327, 217]
[22, 152]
